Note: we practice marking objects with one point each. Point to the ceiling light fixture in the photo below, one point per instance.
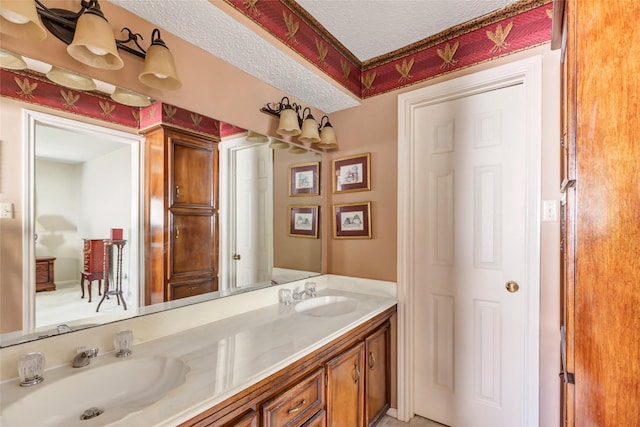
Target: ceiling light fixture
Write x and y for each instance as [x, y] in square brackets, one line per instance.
[304, 125]
[90, 39]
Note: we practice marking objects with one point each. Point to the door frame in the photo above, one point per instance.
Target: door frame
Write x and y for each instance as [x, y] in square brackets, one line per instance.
[527, 72]
[31, 119]
[228, 149]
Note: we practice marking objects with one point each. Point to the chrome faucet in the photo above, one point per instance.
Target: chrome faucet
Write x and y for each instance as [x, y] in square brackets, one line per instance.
[84, 356]
[309, 290]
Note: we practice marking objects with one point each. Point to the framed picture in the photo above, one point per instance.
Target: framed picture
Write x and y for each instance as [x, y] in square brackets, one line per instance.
[352, 221]
[303, 221]
[304, 179]
[352, 173]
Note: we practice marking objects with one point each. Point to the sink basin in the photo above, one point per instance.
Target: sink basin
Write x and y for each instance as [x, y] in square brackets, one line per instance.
[118, 389]
[327, 306]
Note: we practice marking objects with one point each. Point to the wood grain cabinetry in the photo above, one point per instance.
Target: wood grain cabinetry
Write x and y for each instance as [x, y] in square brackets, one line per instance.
[600, 227]
[325, 388]
[377, 374]
[181, 214]
[45, 273]
[345, 385]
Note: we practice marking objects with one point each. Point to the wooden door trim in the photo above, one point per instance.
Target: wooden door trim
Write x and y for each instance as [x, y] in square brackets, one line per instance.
[527, 72]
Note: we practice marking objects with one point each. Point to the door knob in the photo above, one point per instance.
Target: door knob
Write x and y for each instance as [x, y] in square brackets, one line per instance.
[236, 257]
[512, 286]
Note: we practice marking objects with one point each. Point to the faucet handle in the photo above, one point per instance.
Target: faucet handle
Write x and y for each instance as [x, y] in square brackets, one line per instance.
[89, 352]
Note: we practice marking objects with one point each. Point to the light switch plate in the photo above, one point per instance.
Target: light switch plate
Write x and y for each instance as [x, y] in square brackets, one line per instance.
[6, 210]
[549, 210]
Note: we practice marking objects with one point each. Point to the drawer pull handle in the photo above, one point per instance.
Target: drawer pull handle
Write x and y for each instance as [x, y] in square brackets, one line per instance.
[372, 360]
[356, 374]
[177, 191]
[297, 408]
[177, 233]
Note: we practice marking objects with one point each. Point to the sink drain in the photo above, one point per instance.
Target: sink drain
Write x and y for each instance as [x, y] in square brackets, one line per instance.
[91, 413]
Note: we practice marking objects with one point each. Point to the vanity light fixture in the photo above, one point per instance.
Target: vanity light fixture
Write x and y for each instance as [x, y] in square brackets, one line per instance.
[11, 61]
[130, 98]
[90, 39]
[70, 79]
[256, 137]
[278, 145]
[296, 149]
[304, 125]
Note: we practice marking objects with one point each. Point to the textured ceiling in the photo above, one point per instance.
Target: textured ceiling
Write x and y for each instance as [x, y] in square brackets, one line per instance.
[371, 28]
[367, 28]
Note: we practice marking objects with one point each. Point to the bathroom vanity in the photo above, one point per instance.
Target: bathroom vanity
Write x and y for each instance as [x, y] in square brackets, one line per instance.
[344, 383]
[322, 361]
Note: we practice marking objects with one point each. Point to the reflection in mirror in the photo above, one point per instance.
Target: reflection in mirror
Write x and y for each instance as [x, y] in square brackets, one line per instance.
[68, 200]
[84, 185]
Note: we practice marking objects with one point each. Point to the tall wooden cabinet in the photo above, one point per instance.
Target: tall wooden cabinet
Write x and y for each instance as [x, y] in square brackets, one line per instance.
[181, 214]
[600, 142]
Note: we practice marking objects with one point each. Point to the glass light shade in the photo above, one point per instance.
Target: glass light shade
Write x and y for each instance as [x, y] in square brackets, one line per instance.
[328, 138]
[160, 69]
[94, 43]
[296, 150]
[18, 18]
[256, 137]
[277, 144]
[288, 125]
[132, 99]
[70, 79]
[309, 133]
[11, 61]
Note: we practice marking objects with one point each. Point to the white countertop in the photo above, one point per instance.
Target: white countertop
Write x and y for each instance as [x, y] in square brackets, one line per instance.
[224, 357]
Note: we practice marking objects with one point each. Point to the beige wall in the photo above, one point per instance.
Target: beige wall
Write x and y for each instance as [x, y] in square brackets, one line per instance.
[216, 89]
[372, 127]
[296, 253]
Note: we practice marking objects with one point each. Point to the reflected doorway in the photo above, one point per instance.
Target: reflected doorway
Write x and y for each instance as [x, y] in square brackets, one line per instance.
[83, 181]
[247, 192]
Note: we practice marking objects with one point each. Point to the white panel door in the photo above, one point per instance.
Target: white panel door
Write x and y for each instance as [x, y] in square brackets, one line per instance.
[252, 219]
[470, 235]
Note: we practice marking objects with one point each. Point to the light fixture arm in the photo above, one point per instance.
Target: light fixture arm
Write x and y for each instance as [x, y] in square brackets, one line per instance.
[276, 108]
[321, 125]
[62, 24]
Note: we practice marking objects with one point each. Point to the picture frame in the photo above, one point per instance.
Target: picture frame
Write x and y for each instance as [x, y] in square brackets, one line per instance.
[303, 221]
[304, 179]
[352, 221]
[352, 173]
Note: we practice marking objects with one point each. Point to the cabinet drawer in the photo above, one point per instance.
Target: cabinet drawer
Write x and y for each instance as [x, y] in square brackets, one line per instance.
[42, 268]
[318, 420]
[188, 289]
[296, 405]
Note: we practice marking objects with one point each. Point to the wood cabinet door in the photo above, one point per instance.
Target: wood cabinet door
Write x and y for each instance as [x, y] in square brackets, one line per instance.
[194, 172]
[193, 249]
[345, 388]
[378, 392]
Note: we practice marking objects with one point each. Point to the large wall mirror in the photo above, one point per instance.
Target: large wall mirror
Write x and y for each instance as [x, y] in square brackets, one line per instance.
[81, 181]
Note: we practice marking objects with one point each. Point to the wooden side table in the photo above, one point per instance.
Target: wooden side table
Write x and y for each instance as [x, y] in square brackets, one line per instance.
[116, 287]
[45, 273]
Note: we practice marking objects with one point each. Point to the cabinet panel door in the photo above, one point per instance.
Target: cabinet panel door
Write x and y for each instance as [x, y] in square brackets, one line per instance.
[193, 180]
[378, 397]
[345, 389]
[193, 248]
